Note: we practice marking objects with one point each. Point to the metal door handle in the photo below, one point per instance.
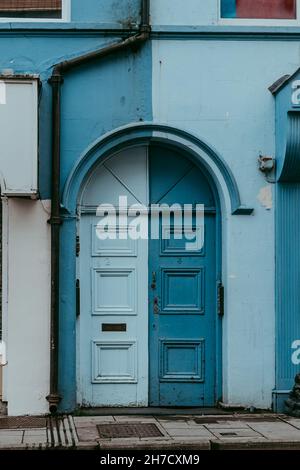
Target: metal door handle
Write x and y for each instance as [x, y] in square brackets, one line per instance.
[77, 297]
[153, 284]
[156, 305]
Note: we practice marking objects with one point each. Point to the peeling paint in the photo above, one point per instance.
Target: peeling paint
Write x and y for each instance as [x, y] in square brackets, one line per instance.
[265, 197]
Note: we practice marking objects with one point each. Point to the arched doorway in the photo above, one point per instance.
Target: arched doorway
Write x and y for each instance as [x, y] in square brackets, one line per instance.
[148, 313]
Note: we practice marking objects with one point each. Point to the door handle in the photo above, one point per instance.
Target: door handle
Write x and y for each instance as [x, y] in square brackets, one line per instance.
[156, 305]
[77, 298]
[153, 283]
[220, 299]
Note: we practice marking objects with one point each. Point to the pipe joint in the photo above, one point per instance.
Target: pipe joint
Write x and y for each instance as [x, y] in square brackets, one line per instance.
[145, 29]
[136, 41]
[56, 77]
[55, 220]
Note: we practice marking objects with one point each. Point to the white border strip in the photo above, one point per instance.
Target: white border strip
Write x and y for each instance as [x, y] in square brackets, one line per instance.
[66, 16]
[258, 22]
[2, 92]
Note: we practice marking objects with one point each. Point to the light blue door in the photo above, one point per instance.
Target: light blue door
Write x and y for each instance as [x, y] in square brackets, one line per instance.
[182, 290]
[113, 322]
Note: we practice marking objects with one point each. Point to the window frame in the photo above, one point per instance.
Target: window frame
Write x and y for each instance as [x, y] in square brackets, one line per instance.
[65, 16]
[259, 21]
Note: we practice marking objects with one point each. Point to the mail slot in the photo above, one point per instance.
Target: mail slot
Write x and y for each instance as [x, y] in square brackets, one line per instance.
[106, 327]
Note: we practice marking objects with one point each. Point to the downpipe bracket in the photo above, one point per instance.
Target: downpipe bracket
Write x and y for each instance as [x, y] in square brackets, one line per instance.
[55, 221]
[56, 78]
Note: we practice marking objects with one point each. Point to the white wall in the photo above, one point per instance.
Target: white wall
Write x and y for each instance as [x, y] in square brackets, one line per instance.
[27, 319]
[217, 90]
[18, 136]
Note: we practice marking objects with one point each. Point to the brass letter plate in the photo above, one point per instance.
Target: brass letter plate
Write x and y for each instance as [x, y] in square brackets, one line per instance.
[106, 327]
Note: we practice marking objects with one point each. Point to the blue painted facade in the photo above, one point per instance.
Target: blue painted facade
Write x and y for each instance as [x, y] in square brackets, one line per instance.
[197, 86]
[287, 233]
[129, 73]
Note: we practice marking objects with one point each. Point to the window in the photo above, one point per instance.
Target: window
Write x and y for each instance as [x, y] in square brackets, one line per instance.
[33, 10]
[259, 9]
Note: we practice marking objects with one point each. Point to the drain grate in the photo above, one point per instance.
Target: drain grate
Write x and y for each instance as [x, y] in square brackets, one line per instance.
[228, 434]
[22, 422]
[140, 430]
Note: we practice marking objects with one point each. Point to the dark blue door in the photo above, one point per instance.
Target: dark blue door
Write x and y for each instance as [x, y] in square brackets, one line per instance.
[182, 289]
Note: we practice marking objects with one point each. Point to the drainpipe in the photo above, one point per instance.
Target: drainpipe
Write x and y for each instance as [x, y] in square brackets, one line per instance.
[56, 82]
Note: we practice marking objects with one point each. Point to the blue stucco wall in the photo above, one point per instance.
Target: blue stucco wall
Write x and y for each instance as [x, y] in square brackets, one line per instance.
[124, 12]
[212, 81]
[102, 97]
[95, 98]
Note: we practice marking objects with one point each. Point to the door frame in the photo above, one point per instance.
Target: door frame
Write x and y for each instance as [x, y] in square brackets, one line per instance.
[127, 136]
[218, 270]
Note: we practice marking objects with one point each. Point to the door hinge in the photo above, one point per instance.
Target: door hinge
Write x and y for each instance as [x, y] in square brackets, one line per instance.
[77, 297]
[77, 245]
[220, 299]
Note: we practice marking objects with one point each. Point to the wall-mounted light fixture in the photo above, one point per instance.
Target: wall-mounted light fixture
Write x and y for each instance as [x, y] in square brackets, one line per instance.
[266, 163]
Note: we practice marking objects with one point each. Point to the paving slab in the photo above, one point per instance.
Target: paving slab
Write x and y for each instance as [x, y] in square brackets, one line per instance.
[92, 445]
[254, 445]
[119, 440]
[82, 421]
[165, 437]
[11, 446]
[179, 424]
[135, 419]
[190, 433]
[34, 440]
[226, 425]
[11, 436]
[87, 434]
[10, 440]
[32, 436]
[10, 432]
[179, 444]
[295, 422]
[36, 432]
[236, 433]
[277, 430]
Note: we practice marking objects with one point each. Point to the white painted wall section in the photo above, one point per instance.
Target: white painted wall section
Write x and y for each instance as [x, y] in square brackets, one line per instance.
[18, 136]
[28, 314]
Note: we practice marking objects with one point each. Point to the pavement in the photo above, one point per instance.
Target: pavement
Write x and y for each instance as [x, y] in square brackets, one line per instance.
[149, 432]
